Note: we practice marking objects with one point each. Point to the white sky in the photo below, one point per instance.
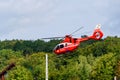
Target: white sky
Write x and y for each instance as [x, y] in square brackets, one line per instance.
[35, 19]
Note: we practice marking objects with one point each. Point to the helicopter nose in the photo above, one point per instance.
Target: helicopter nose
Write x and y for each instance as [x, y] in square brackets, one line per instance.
[56, 51]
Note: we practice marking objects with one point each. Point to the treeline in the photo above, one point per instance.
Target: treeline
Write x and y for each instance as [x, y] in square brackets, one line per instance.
[93, 60]
[29, 46]
[34, 46]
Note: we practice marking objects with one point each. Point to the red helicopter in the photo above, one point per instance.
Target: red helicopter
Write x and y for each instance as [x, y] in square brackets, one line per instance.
[70, 44]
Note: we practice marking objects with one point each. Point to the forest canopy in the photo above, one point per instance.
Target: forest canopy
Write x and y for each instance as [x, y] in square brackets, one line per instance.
[93, 60]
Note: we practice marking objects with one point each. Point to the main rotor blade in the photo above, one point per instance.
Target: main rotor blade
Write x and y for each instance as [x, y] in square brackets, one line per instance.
[62, 37]
[52, 38]
[76, 30]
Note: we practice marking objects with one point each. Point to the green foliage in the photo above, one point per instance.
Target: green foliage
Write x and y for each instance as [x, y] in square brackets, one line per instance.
[93, 60]
[36, 64]
[117, 71]
[103, 68]
[20, 73]
[7, 57]
[29, 46]
[84, 68]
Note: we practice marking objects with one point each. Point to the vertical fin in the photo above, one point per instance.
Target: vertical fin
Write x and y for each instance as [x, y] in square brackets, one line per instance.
[98, 26]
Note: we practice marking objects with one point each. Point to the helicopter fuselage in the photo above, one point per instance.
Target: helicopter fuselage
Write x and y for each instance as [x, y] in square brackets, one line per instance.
[70, 44]
[65, 47]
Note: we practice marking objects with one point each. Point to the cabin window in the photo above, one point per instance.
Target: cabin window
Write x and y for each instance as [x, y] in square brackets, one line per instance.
[61, 46]
[65, 44]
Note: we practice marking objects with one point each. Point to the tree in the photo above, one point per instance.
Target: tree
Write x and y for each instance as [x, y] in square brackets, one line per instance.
[35, 63]
[104, 67]
[8, 56]
[19, 73]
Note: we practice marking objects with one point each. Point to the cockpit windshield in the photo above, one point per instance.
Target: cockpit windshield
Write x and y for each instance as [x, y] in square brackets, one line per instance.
[59, 46]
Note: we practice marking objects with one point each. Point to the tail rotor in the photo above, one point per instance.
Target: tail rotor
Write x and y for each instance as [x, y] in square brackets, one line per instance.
[97, 34]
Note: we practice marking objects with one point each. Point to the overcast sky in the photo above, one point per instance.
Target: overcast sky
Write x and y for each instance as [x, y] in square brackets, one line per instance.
[35, 19]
